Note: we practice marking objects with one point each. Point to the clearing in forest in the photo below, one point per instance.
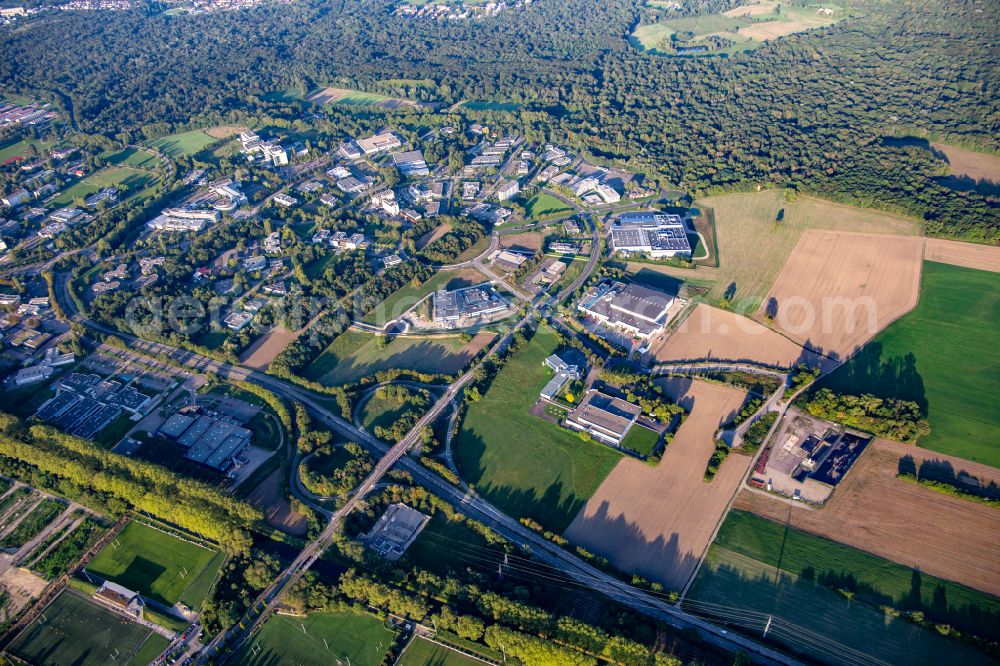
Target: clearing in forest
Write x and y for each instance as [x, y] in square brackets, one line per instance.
[658, 521]
[838, 290]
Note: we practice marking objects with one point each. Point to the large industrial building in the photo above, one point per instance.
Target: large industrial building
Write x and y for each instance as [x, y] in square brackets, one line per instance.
[636, 309]
[658, 235]
[210, 439]
[470, 302]
[180, 219]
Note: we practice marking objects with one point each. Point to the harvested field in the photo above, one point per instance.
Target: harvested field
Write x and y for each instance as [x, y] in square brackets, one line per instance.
[433, 235]
[839, 289]
[969, 163]
[223, 131]
[260, 354]
[774, 29]
[968, 255]
[277, 510]
[529, 241]
[754, 244]
[658, 521]
[713, 334]
[764, 7]
[872, 510]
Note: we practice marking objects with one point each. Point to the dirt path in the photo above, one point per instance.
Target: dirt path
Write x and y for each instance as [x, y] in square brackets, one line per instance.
[658, 521]
[944, 536]
[969, 255]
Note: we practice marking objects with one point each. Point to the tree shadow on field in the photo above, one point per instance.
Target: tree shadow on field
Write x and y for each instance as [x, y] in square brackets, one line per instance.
[896, 377]
[629, 549]
[140, 575]
[942, 471]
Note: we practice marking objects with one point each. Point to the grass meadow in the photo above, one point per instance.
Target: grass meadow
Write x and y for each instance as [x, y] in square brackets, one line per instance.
[641, 440]
[764, 568]
[132, 178]
[357, 637]
[75, 630]
[353, 355]
[544, 205]
[522, 463]
[133, 157]
[183, 144]
[153, 562]
[943, 355]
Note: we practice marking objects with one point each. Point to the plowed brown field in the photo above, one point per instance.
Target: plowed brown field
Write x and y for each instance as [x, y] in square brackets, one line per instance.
[948, 537]
[658, 521]
[969, 255]
[713, 334]
[838, 289]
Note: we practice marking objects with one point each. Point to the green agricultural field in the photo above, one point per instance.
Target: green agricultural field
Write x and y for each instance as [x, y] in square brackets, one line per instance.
[522, 463]
[74, 630]
[361, 638]
[134, 179]
[134, 157]
[354, 355]
[760, 567]
[943, 355]
[422, 652]
[183, 144]
[153, 563]
[544, 204]
[641, 440]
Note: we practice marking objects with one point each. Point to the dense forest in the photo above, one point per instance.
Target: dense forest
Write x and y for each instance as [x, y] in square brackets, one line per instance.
[809, 111]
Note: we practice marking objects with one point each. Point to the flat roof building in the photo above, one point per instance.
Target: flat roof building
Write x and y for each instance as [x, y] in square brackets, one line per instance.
[398, 527]
[640, 310]
[656, 234]
[604, 417]
[379, 143]
[411, 163]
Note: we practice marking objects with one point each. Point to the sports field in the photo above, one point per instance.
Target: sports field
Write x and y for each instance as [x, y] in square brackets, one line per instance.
[158, 565]
[763, 569]
[132, 178]
[754, 244]
[421, 652]
[943, 355]
[544, 205]
[183, 144]
[74, 630]
[523, 463]
[357, 637]
[354, 355]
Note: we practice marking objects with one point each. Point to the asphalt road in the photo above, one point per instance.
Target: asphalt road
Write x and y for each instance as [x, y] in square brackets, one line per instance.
[545, 551]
